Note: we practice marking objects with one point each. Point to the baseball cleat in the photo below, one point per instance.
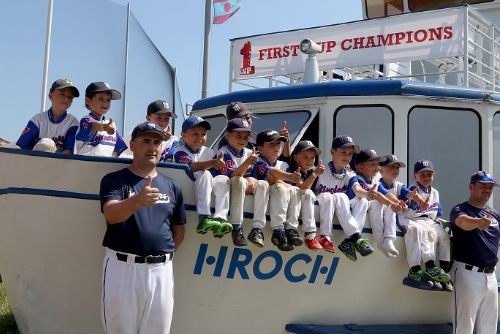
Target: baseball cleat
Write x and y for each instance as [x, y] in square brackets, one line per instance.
[224, 228]
[256, 237]
[418, 280]
[326, 244]
[437, 274]
[347, 247]
[238, 237]
[206, 224]
[279, 239]
[293, 237]
[312, 243]
[448, 286]
[363, 247]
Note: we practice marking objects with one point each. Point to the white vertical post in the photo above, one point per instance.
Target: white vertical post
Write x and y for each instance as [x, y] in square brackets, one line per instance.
[127, 34]
[206, 48]
[47, 55]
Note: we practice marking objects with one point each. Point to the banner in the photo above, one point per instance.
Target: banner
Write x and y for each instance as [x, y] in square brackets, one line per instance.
[416, 36]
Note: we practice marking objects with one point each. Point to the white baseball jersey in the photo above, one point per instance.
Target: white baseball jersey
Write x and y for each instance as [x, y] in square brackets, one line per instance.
[42, 125]
[332, 182]
[97, 143]
[432, 197]
[183, 154]
[168, 148]
[232, 159]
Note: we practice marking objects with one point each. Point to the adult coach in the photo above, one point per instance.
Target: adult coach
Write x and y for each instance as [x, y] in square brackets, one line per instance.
[145, 217]
[475, 246]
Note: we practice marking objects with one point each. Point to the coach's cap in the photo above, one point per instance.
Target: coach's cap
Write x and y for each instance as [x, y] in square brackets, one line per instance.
[391, 159]
[194, 121]
[268, 136]
[344, 142]
[367, 155]
[422, 166]
[483, 177]
[305, 145]
[160, 107]
[237, 110]
[101, 86]
[147, 127]
[239, 125]
[64, 83]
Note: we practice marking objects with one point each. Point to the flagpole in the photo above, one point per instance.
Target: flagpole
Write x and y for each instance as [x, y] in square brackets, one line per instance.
[206, 48]
[47, 54]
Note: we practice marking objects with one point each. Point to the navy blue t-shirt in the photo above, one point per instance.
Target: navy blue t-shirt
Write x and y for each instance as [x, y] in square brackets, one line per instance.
[147, 231]
[476, 247]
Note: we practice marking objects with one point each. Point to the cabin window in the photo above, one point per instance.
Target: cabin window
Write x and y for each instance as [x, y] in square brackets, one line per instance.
[381, 8]
[451, 139]
[370, 126]
[218, 124]
[418, 5]
[496, 156]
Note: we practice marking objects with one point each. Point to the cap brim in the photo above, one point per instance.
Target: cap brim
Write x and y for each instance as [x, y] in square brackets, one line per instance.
[316, 150]
[425, 169]
[252, 134]
[204, 124]
[491, 182]
[159, 133]
[76, 92]
[357, 149]
[115, 95]
[164, 111]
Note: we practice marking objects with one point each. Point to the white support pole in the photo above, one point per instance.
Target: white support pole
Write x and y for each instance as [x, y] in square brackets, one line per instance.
[206, 48]
[126, 70]
[48, 36]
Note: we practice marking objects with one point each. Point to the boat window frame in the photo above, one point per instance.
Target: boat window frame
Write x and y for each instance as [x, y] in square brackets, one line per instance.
[449, 5]
[366, 8]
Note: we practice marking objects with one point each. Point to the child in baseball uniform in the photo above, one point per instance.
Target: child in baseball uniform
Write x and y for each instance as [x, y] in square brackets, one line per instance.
[423, 233]
[303, 158]
[284, 199]
[235, 180]
[366, 191]
[160, 113]
[55, 126]
[200, 159]
[330, 191]
[97, 136]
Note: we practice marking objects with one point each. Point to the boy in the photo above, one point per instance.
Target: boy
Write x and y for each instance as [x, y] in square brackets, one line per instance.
[159, 112]
[330, 191]
[423, 233]
[381, 204]
[55, 124]
[238, 161]
[198, 157]
[303, 158]
[284, 199]
[96, 136]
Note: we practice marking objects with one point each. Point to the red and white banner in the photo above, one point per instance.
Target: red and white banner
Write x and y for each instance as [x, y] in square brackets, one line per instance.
[417, 36]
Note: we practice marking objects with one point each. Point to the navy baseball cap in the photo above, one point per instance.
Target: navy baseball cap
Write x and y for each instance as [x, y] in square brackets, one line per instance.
[101, 86]
[268, 136]
[344, 142]
[304, 145]
[160, 107]
[368, 155]
[239, 125]
[483, 177]
[422, 166]
[194, 121]
[392, 160]
[237, 110]
[147, 127]
[64, 83]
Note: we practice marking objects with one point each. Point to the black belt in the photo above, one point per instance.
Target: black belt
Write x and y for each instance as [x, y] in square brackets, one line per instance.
[486, 270]
[146, 259]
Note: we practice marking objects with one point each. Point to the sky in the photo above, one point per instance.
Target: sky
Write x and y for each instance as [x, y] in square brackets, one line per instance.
[177, 29]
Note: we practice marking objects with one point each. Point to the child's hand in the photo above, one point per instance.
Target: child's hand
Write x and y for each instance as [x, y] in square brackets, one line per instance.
[252, 159]
[373, 193]
[403, 205]
[110, 127]
[219, 162]
[296, 176]
[320, 169]
[250, 185]
[284, 131]
[168, 132]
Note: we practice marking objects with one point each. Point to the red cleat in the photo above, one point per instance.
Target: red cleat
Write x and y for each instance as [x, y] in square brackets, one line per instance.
[326, 244]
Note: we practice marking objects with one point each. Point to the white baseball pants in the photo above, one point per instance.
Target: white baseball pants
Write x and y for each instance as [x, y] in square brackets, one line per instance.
[420, 240]
[260, 201]
[474, 301]
[307, 210]
[382, 221]
[284, 206]
[238, 188]
[221, 187]
[203, 191]
[136, 298]
[359, 208]
[336, 204]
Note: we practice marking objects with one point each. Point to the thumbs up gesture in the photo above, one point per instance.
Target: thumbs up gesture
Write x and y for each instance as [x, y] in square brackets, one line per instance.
[168, 132]
[148, 195]
[485, 222]
[219, 162]
[253, 158]
[110, 127]
[320, 169]
[284, 130]
[296, 176]
[373, 193]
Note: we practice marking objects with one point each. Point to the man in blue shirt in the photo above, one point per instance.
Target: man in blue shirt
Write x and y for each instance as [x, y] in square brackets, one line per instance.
[475, 248]
[145, 218]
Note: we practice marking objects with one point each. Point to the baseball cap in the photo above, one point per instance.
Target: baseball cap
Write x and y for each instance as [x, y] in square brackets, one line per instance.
[160, 107]
[147, 127]
[64, 83]
[304, 145]
[239, 125]
[483, 177]
[237, 110]
[268, 136]
[391, 159]
[100, 86]
[194, 121]
[344, 142]
[368, 155]
[422, 166]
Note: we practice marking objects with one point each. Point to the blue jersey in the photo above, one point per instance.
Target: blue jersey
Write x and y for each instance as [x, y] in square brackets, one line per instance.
[168, 149]
[233, 159]
[43, 125]
[97, 143]
[476, 247]
[263, 167]
[147, 231]
[431, 196]
[397, 188]
[365, 184]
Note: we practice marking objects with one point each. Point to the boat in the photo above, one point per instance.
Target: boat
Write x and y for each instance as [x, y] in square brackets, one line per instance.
[410, 105]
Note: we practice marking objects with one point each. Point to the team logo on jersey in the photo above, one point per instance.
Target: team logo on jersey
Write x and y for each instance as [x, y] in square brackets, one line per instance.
[262, 169]
[163, 198]
[184, 159]
[230, 164]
